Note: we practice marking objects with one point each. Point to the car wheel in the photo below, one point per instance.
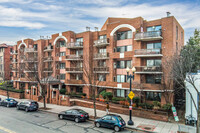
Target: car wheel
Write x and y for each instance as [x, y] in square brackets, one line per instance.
[26, 109]
[61, 117]
[116, 128]
[97, 124]
[7, 105]
[76, 120]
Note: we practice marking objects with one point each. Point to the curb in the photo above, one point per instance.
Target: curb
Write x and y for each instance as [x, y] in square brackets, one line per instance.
[128, 128]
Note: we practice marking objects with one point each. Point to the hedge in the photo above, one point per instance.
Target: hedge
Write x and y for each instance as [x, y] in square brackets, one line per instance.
[12, 90]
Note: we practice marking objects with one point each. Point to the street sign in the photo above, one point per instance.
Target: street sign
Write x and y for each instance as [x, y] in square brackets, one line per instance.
[130, 107]
[131, 95]
[175, 114]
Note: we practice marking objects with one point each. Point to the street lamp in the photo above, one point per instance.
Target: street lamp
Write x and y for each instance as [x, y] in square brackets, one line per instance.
[129, 76]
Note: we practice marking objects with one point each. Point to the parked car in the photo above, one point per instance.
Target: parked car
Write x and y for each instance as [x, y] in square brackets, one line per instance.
[76, 115]
[28, 106]
[9, 102]
[111, 121]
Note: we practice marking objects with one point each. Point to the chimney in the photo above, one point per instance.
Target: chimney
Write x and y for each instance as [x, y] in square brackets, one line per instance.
[87, 28]
[168, 14]
[96, 28]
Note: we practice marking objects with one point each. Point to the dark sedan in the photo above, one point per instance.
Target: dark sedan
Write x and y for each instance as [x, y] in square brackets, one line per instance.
[111, 121]
[9, 102]
[28, 106]
[76, 115]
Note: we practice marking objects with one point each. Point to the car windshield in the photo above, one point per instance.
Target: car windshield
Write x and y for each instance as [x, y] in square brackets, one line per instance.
[11, 100]
[33, 103]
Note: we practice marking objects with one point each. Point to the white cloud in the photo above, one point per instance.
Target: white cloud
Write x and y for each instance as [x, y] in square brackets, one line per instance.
[8, 42]
[16, 1]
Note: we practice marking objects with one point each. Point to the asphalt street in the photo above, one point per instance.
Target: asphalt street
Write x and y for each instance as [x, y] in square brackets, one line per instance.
[19, 121]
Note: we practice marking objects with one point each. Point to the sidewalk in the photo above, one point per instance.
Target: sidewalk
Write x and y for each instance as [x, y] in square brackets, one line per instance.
[139, 123]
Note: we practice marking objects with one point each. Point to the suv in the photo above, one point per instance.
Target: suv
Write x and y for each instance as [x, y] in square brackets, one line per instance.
[28, 106]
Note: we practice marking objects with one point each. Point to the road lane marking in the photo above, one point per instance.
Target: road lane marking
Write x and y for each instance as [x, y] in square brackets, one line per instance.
[6, 130]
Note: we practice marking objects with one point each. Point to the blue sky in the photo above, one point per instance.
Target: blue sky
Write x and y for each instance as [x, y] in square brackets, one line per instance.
[21, 19]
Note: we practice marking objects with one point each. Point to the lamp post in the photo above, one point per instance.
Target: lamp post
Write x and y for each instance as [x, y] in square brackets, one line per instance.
[129, 76]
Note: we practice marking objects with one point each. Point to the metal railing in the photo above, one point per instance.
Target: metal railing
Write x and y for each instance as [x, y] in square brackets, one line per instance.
[74, 69]
[30, 50]
[48, 48]
[74, 57]
[101, 69]
[146, 35]
[74, 45]
[148, 51]
[50, 58]
[48, 69]
[149, 69]
[101, 55]
[101, 42]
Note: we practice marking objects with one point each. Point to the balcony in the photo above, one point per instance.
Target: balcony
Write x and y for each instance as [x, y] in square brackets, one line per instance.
[31, 59]
[74, 70]
[101, 42]
[48, 59]
[148, 36]
[50, 69]
[30, 50]
[14, 69]
[148, 53]
[101, 70]
[14, 52]
[101, 56]
[148, 70]
[48, 48]
[14, 61]
[31, 69]
[74, 57]
[74, 45]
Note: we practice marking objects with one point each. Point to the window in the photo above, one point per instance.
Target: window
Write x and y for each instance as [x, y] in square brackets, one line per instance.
[154, 28]
[153, 79]
[120, 93]
[62, 43]
[102, 77]
[102, 37]
[123, 49]
[154, 46]
[79, 77]
[79, 52]
[79, 89]
[102, 50]
[153, 63]
[62, 65]
[11, 50]
[62, 54]
[62, 76]
[121, 78]
[124, 64]
[124, 35]
[176, 32]
[79, 39]
[153, 96]
[35, 46]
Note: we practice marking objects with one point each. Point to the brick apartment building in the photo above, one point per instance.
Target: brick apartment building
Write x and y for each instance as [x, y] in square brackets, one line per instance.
[121, 43]
[5, 61]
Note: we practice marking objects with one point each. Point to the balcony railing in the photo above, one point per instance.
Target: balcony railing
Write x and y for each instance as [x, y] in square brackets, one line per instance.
[101, 42]
[100, 56]
[14, 69]
[148, 52]
[31, 59]
[149, 70]
[48, 48]
[14, 52]
[148, 36]
[30, 50]
[50, 69]
[74, 45]
[74, 69]
[48, 59]
[101, 70]
[74, 57]
[31, 69]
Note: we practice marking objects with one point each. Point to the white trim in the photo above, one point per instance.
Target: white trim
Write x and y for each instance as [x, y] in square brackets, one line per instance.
[22, 43]
[121, 26]
[59, 37]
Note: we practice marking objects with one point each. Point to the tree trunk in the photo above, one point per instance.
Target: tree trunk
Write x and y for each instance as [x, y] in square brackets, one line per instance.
[44, 102]
[94, 104]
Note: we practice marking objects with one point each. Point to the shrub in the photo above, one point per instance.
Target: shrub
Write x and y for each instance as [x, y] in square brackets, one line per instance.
[122, 102]
[167, 106]
[105, 94]
[12, 90]
[118, 99]
[146, 105]
[136, 100]
[63, 91]
[156, 103]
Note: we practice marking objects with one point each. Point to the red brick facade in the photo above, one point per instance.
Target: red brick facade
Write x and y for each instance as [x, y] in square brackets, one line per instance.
[120, 43]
